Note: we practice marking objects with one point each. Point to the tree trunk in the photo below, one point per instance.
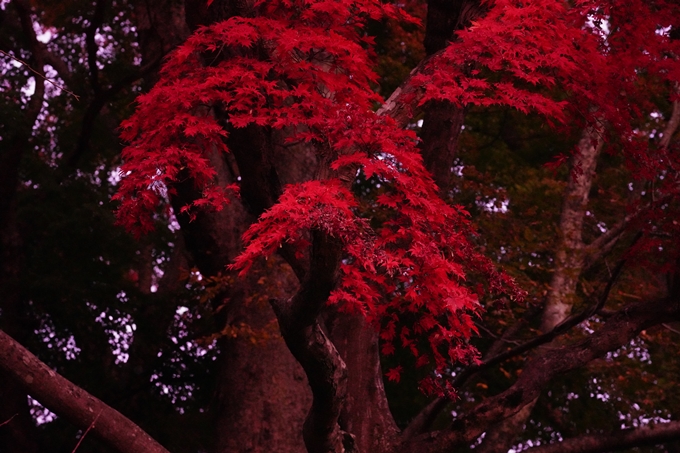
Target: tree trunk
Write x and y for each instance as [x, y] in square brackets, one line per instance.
[366, 413]
[569, 261]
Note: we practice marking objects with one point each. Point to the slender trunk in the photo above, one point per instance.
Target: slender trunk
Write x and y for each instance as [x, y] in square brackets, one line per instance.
[569, 260]
[569, 254]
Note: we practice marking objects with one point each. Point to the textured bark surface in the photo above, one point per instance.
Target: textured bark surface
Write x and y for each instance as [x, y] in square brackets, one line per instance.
[569, 254]
[365, 412]
[262, 395]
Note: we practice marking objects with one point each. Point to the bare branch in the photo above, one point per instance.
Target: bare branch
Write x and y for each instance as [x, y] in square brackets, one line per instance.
[91, 46]
[8, 420]
[95, 106]
[558, 330]
[625, 325]
[72, 402]
[621, 440]
[35, 104]
[86, 431]
[40, 74]
[669, 328]
[424, 419]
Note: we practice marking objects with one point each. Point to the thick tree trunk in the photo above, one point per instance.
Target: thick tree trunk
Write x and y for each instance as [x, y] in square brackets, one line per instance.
[443, 121]
[261, 394]
[365, 413]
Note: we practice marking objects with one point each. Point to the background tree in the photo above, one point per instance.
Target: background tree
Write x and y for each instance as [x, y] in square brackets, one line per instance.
[157, 328]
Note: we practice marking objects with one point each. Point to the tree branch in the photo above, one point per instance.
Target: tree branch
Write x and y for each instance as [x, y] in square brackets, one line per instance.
[72, 402]
[621, 440]
[326, 371]
[51, 60]
[426, 417]
[622, 327]
[558, 330]
[93, 109]
[403, 103]
[91, 45]
[672, 124]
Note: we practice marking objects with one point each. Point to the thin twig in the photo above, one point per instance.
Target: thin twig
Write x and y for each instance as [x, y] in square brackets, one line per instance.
[86, 431]
[496, 337]
[7, 421]
[671, 329]
[22, 62]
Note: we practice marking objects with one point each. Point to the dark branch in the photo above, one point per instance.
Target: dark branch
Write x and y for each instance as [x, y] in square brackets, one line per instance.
[426, 417]
[560, 329]
[72, 402]
[91, 45]
[625, 325]
[621, 440]
[99, 101]
[326, 371]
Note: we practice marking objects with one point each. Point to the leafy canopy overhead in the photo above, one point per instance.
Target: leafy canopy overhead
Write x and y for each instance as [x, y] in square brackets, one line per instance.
[304, 68]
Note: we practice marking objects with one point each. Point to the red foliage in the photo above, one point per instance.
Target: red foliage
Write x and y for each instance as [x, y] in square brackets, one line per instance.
[305, 66]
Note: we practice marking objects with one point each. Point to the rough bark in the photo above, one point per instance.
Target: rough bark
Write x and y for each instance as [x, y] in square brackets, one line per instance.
[261, 394]
[365, 412]
[326, 371]
[70, 401]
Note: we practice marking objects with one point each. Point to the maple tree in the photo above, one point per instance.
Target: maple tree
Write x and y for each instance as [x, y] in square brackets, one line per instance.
[265, 124]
